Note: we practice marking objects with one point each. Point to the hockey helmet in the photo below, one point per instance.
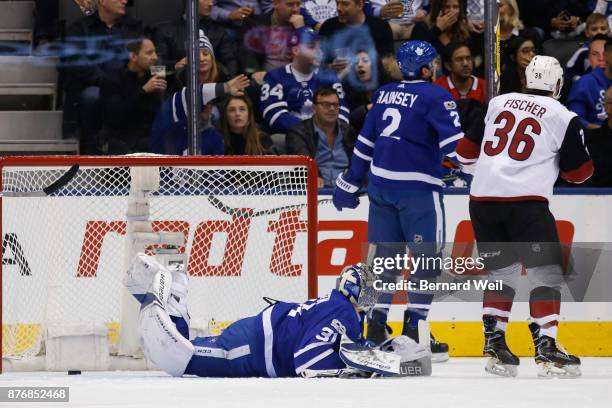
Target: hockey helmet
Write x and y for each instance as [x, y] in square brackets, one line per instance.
[356, 282]
[414, 55]
[544, 73]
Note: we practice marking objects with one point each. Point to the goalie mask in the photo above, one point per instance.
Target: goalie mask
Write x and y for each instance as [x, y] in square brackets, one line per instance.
[356, 282]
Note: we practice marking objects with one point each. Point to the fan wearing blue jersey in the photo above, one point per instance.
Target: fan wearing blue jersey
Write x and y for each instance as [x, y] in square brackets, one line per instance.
[321, 337]
[287, 92]
[412, 125]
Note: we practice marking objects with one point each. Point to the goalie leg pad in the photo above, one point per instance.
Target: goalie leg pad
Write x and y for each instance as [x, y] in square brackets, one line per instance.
[141, 274]
[369, 359]
[161, 342]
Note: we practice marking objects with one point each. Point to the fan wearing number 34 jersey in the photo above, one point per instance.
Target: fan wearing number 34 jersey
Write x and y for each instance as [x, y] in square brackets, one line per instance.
[524, 143]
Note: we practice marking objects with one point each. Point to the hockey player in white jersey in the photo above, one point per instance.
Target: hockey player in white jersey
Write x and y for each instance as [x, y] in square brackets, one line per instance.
[524, 143]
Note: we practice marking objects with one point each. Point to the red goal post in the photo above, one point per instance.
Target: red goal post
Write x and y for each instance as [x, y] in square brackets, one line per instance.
[70, 225]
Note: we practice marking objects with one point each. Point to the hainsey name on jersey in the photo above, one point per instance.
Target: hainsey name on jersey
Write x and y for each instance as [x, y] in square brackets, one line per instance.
[520, 148]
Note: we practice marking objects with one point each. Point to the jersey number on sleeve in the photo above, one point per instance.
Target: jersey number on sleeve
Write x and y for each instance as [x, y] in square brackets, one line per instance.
[266, 92]
[522, 143]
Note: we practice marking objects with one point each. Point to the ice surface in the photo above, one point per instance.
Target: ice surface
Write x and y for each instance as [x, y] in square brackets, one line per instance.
[461, 382]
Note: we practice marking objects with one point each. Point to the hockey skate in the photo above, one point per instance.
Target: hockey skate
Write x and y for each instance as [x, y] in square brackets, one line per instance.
[552, 359]
[501, 360]
[439, 350]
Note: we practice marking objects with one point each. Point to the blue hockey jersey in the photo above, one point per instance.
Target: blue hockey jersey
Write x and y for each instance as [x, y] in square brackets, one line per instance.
[587, 95]
[286, 96]
[169, 129]
[296, 337]
[409, 129]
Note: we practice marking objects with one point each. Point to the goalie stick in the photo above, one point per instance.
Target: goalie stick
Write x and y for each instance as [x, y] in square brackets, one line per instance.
[62, 181]
[221, 206]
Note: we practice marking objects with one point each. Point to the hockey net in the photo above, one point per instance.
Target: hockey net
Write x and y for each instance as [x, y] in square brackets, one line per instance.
[246, 225]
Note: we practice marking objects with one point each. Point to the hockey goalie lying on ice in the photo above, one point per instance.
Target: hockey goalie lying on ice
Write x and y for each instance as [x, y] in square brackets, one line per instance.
[319, 338]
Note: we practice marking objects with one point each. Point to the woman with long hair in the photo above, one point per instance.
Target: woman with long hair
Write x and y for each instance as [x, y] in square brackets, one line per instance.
[240, 132]
[521, 51]
[511, 26]
[447, 24]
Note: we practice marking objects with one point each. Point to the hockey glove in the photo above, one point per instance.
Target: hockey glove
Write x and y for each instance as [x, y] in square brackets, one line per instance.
[345, 194]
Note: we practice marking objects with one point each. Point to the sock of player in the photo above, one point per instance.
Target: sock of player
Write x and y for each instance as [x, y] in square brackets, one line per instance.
[544, 308]
[419, 301]
[498, 304]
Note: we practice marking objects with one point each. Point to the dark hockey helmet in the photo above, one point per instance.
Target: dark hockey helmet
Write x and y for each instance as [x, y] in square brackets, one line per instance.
[356, 282]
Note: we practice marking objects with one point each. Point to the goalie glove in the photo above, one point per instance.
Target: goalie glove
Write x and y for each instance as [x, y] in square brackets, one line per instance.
[415, 357]
[345, 194]
[365, 358]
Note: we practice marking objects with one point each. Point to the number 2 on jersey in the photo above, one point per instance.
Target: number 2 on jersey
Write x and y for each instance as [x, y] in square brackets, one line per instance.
[521, 138]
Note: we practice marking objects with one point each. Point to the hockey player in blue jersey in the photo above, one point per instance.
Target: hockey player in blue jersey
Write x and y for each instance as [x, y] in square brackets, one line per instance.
[319, 338]
[412, 125]
[287, 92]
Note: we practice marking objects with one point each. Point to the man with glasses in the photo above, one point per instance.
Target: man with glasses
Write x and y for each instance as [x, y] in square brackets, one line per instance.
[324, 137]
[287, 92]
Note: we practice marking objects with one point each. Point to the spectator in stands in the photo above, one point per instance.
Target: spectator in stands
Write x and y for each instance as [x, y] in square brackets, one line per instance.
[235, 11]
[364, 77]
[130, 99]
[208, 69]
[581, 62]
[287, 92]
[361, 81]
[240, 132]
[460, 82]
[559, 18]
[401, 15]
[522, 50]
[321, 10]
[324, 137]
[586, 97]
[108, 30]
[351, 31]
[265, 38]
[169, 133]
[446, 24]
[475, 15]
[511, 27]
[599, 143]
[171, 41]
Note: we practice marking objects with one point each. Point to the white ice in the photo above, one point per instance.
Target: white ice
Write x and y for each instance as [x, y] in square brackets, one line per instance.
[461, 382]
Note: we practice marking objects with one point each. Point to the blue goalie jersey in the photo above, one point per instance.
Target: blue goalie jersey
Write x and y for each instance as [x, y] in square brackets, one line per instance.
[296, 337]
[287, 96]
[409, 129]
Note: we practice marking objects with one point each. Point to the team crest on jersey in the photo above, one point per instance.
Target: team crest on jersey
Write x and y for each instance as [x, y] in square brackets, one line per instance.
[450, 105]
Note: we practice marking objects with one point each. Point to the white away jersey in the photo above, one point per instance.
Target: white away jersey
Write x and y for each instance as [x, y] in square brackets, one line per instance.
[520, 147]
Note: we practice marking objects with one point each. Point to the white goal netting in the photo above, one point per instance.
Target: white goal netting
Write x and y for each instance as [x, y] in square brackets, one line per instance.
[244, 226]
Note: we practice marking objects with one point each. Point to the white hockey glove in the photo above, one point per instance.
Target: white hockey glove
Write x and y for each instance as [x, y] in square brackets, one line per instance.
[415, 357]
[369, 359]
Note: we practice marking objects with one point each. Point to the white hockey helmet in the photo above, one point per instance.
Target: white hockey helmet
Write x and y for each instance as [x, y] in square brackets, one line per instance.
[545, 74]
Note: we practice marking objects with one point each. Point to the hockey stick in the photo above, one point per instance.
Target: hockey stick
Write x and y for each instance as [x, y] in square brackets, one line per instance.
[50, 189]
[221, 206]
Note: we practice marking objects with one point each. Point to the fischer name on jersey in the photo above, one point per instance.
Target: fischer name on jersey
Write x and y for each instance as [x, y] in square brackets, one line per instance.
[521, 146]
[409, 129]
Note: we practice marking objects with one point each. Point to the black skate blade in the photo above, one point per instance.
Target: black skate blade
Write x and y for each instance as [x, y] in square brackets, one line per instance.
[551, 370]
[493, 366]
[439, 357]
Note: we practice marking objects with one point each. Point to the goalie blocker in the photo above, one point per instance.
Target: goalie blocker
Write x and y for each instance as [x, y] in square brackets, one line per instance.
[319, 338]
